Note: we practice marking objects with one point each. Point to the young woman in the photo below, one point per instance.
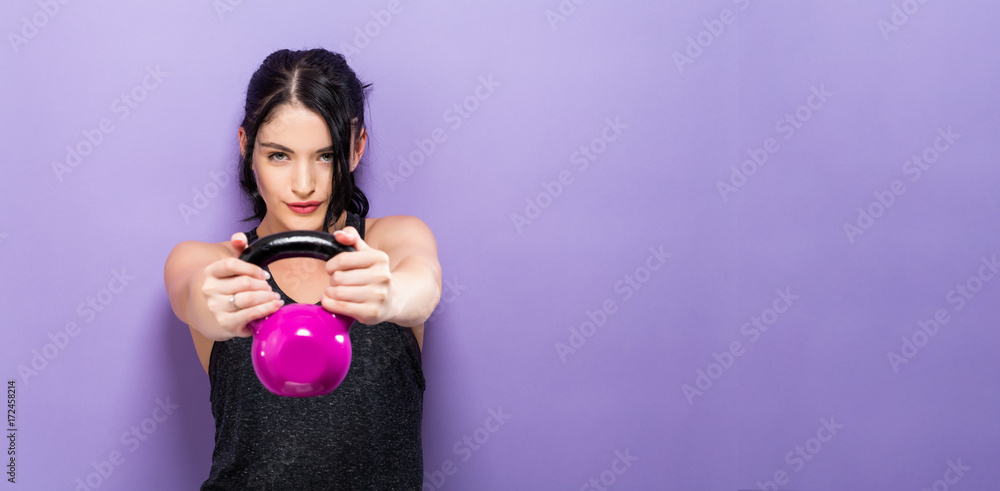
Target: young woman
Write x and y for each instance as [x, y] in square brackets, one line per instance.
[302, 136]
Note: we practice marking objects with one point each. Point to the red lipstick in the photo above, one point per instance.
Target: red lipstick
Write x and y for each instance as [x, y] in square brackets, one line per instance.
[304, 207]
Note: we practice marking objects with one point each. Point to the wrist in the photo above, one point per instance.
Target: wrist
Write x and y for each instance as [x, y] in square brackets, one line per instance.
[403, 306]
[414, 291]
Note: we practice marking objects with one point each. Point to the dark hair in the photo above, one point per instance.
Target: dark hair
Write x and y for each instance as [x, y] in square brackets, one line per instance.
[321, 81]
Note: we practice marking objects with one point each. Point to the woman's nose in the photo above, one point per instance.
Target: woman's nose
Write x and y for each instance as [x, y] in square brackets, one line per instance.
[304, 179]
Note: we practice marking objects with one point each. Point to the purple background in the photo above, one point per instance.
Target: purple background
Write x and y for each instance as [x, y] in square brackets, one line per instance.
[514, 292]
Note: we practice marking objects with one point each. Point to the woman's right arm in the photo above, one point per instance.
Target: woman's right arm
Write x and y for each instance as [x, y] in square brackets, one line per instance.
[201, 277]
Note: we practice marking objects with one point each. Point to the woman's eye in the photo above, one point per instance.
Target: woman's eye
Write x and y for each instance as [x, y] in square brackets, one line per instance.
[327, 157]
[277, 156]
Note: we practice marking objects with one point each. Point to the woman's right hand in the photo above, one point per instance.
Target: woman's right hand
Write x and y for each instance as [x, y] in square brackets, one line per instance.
[246, 284]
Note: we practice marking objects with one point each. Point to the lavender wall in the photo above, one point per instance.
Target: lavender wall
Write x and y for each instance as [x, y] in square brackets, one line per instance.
[686, 245]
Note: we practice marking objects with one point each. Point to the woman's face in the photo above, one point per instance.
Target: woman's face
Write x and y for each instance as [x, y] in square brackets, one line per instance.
[293, 164]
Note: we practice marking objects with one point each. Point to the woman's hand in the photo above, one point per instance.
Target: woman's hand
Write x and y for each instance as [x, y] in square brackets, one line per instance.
[246, 284]
[360, 281]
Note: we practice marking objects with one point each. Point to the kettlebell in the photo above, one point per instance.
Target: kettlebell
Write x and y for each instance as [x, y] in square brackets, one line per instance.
[300, 350]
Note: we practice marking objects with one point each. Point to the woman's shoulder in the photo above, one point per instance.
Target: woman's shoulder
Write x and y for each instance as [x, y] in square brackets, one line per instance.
[193, 252]
[395, 225]
[195, 247]
[395, 230]
[394, 222]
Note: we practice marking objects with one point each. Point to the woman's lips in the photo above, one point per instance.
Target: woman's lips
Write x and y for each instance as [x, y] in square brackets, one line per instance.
[303, 209]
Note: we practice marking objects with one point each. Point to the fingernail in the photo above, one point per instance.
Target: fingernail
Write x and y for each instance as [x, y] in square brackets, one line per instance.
[277, 296]
[266, 275]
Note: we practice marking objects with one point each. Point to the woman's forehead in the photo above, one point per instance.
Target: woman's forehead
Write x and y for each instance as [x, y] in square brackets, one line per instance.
[295, 123]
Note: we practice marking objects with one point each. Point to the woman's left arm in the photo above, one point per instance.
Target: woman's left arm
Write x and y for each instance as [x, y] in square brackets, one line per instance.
[398, 282]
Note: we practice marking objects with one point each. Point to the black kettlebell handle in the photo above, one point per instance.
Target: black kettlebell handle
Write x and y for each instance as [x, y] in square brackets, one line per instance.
[294, 243]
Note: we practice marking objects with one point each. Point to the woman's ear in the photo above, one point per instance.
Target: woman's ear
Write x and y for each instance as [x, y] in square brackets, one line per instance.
[243, 142]
[359, 148]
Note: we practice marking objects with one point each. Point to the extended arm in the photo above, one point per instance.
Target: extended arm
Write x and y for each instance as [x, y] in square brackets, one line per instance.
[396, 278]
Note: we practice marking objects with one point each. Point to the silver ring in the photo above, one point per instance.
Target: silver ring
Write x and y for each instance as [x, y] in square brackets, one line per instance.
[232, 301]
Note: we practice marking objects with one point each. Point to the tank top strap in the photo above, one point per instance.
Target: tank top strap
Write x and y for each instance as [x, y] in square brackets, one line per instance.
[355, 220]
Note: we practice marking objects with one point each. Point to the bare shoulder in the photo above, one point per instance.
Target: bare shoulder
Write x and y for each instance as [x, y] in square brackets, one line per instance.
[190, 251]
[394, 231]
[193, 249]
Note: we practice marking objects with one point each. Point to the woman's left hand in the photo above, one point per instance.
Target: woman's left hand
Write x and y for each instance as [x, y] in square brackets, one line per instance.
[360, 281]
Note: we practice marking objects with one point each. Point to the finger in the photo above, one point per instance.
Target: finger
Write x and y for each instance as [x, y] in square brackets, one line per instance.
[242, 283]
[231, 266]
[353, 294]
[257, 312]
[218, 292]
[339, 307]
[248, 299]
[350, 277]
[356, 277]
[229, 302]
[355, 260]
[239, 241]
[350, 236]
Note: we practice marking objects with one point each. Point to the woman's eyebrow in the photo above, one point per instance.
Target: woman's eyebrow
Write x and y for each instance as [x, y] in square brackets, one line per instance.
[278, 146]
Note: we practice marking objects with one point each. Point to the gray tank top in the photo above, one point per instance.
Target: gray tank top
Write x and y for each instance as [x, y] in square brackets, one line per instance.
[363, 435]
